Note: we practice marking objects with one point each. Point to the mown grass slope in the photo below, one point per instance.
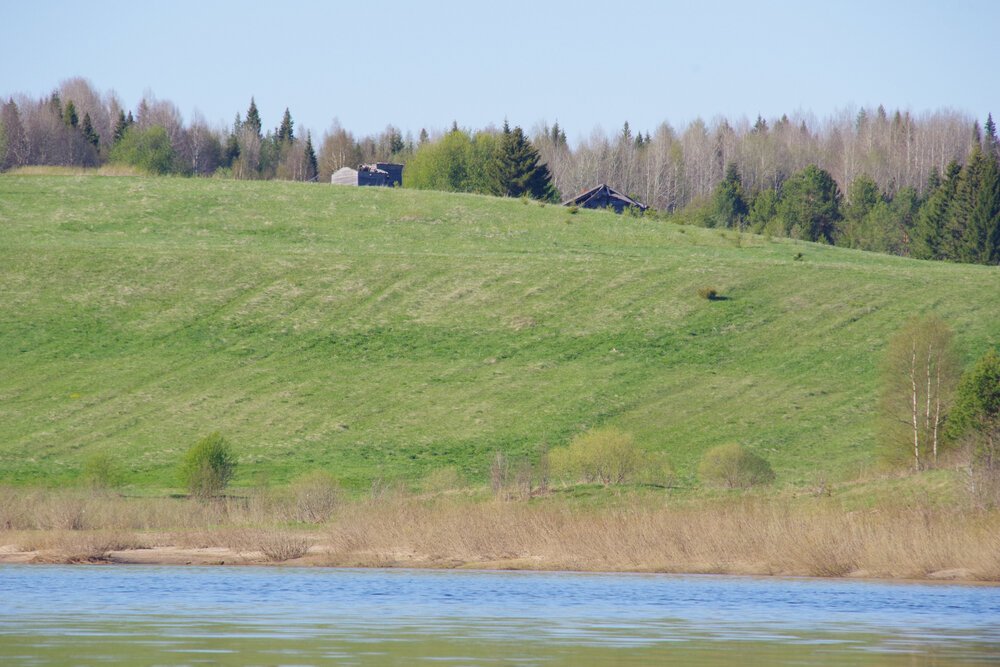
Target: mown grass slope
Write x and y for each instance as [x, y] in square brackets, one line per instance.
[379, 332]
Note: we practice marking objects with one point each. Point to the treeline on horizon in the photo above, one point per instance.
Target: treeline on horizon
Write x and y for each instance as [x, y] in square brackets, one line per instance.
[926, 187]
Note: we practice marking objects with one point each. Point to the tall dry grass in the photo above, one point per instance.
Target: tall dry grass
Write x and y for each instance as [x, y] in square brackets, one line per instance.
[745, 535]
[750, 537]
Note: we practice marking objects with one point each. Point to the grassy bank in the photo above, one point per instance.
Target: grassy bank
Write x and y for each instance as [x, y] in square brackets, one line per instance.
[897, 537]
[384, 334]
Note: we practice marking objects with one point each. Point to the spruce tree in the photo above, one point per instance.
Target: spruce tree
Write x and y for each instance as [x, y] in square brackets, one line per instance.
[311, 164]
[69, 115]
[855, 229]
[729, 203]
[810, 205]
[88, 132]
[960, 243]
[932, 219]
[285, 134]
[982, 240]
[253, 118]
[515, 169]
[990, 145]
[120, 126]
[55, 104]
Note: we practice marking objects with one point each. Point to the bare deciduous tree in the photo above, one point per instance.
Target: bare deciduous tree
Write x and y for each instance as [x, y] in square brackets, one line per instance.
[918, 378]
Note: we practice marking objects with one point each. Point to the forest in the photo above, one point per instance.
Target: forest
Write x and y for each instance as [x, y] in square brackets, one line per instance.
[924, 186]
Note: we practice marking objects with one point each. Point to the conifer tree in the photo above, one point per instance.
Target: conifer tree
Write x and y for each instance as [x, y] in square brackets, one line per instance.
[253, 118]
[515, 168]
[626, 135]
[810, 204]
[932, 219]
[285, 134]
[990, 144]
[55, 104]
[555, 134]
[311, 164]
[88, 131]
[973, 211]
[729, 204]
[232, 150]
[983, 226]
[69, 115]
[853, 231]
[121, 125]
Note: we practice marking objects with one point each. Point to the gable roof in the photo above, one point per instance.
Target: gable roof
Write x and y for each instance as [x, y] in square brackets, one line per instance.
[603, 195]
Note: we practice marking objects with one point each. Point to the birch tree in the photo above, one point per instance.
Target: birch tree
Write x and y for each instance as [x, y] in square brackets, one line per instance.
[917, 383]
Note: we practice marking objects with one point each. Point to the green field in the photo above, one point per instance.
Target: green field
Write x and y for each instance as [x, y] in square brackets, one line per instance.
[384, 333]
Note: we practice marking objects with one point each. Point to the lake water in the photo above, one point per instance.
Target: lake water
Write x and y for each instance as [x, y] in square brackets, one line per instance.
[87, 615]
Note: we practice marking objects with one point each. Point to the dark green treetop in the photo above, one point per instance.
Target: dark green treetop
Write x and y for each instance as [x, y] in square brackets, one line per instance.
[311, 163]
[89, 134]
[729, 202]
[253, 117]
[929, 231]
[976, 413]
[285, 133]
[516, 169]
[70, 116]
[810, 204]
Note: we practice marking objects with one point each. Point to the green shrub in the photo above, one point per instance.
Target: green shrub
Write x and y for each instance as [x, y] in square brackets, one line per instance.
[735, 467]
[208, 466]
[709, 293]
[148, 149]
[101, 472]
[604, 455]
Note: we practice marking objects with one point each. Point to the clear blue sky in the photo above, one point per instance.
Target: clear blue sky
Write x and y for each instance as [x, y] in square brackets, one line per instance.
[586, 64]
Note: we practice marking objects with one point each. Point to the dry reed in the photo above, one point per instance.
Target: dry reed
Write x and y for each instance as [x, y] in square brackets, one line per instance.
[753, 537]
[745, 535]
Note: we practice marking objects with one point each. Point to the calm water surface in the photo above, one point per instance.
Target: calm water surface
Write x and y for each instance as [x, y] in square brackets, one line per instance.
[86, 615]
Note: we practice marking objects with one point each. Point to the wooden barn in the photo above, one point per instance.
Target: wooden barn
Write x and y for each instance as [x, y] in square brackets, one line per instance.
[381, 173]
[602, 197]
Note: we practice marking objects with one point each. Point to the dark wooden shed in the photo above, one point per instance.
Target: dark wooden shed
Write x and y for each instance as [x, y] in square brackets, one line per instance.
[381, 173]
[602, 197]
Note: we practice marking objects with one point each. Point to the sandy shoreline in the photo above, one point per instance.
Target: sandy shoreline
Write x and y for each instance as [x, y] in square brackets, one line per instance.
[317, 556]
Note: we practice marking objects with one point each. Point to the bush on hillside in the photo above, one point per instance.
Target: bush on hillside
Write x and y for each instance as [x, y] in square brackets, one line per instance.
[148, 149]
[735, 467]
[208, 466]
[604, 455]
[101, 472]
[709, 293]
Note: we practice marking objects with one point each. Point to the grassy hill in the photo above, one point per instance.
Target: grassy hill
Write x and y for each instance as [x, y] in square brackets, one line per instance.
[378, 332]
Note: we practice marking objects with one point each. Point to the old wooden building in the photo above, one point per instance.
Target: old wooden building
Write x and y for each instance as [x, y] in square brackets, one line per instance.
[602, 197]
[381, 173]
